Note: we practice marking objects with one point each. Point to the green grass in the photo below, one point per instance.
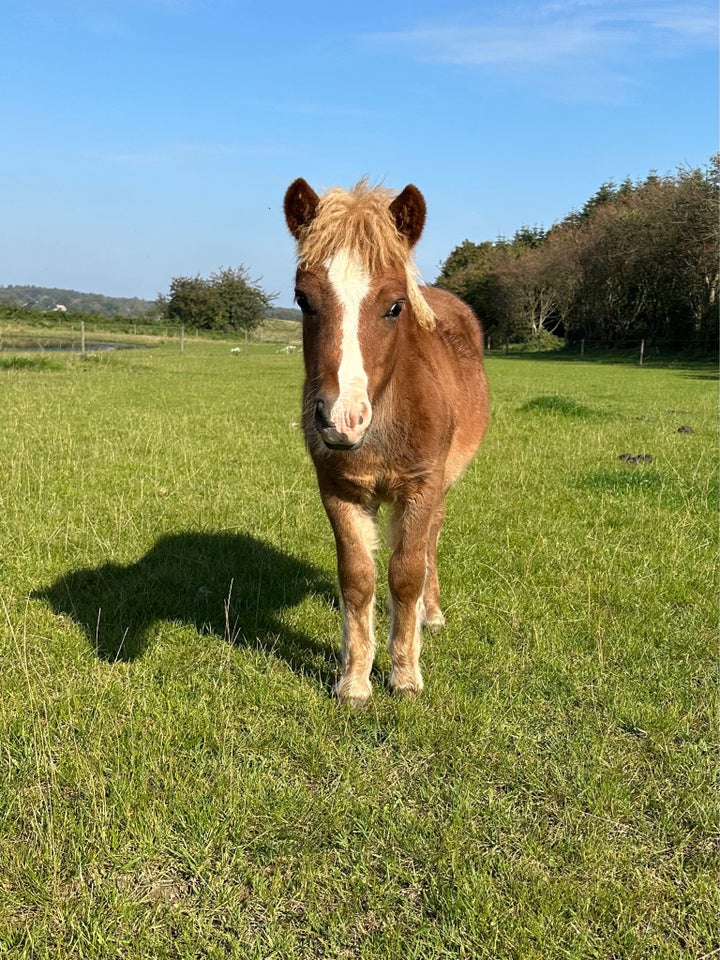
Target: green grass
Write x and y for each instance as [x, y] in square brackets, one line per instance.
[176, 778]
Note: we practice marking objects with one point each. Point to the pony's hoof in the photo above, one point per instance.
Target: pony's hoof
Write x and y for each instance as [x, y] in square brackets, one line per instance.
[356, 703]
[354, 695]
[406, 687]
[405, 693]
[434, 621]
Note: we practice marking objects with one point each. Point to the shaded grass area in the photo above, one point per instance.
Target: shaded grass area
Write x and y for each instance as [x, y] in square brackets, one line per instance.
[623, 481]
[555, 403]
[694, 358]
[231, 586]
[178, 782]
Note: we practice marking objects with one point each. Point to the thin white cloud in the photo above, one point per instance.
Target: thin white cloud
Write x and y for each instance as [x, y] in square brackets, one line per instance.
[498, 44]
[594, 41]
[696, 20]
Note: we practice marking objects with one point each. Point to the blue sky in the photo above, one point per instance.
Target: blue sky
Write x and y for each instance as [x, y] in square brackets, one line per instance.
[147, 139]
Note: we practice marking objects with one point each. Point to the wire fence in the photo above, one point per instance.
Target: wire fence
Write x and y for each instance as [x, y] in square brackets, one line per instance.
[95, 336]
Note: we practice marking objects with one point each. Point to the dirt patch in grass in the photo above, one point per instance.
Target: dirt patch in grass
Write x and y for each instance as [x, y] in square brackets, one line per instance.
[635, 458]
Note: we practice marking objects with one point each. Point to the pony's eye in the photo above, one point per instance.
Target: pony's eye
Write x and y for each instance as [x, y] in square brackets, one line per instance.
[302, 301]
[395, 310]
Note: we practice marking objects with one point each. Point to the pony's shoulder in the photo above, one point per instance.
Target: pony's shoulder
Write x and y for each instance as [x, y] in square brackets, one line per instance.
[455, 319]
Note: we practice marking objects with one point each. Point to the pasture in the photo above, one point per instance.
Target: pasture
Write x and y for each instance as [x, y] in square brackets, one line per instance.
[177, 781]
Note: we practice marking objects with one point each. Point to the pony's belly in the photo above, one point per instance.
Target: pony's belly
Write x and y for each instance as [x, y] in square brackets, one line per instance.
[458, 460]
[461, 453]
[469, 429]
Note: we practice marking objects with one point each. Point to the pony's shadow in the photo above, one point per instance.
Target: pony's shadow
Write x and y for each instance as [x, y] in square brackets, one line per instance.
[231, 586]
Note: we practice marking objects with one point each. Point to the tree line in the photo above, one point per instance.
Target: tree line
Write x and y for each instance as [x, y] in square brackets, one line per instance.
[638, 261]
[45, 299]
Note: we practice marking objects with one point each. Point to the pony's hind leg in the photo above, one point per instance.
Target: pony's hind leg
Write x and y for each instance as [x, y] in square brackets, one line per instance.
[432, 615]
[354, 529]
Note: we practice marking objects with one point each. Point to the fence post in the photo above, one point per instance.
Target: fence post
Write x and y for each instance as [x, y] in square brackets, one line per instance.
[582, 348]
[182, 338]
[642, 351]
[82, 337]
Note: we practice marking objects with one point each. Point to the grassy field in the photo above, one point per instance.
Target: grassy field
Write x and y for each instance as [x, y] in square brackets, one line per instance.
[177, 781]
[44, 331]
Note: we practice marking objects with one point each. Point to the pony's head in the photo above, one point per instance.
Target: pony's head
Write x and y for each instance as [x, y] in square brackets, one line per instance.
[356, 284]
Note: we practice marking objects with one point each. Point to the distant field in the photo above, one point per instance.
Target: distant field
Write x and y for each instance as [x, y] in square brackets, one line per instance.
[177, 780]
[47, 331]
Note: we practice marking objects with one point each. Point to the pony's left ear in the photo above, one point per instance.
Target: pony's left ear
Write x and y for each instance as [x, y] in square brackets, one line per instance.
[408, 211]
[300, 206]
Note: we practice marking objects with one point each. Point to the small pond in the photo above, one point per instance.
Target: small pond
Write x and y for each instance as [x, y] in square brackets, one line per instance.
[58, 345]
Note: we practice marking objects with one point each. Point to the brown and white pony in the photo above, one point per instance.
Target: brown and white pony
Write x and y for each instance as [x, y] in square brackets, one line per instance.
[394, 408]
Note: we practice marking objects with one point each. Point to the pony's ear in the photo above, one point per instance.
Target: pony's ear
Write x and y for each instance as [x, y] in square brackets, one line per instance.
[408, 212]
[300, 206]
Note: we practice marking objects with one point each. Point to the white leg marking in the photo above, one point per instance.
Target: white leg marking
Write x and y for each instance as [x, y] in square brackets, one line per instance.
[407, 678]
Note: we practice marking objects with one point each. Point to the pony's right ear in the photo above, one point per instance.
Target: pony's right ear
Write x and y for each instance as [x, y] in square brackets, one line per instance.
[300, 206]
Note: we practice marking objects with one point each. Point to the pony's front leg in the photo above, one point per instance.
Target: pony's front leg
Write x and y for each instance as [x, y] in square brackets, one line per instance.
[355, 533]
[407, 573]
[432, 614]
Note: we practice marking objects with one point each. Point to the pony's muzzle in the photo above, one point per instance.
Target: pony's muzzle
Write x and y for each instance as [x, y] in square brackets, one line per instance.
[345, 427]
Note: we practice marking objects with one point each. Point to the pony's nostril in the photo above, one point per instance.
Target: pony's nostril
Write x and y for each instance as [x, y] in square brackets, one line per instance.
[364, 414]
[320, 418]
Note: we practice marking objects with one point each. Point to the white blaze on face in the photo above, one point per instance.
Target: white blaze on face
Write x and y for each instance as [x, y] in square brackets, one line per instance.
[350, 283]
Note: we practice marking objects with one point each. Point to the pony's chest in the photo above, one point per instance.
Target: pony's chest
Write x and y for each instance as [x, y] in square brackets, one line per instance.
[367, 480]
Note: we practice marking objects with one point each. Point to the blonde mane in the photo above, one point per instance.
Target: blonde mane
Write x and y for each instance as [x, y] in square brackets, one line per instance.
[359, 221]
